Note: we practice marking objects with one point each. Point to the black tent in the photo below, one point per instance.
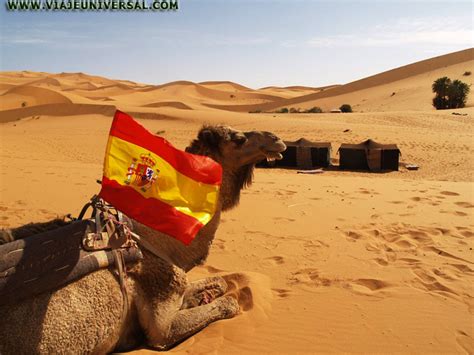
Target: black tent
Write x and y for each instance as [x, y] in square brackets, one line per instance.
[302, 154]
[369, 155]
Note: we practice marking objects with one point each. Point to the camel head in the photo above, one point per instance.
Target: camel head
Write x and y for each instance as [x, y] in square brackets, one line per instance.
[237, 152]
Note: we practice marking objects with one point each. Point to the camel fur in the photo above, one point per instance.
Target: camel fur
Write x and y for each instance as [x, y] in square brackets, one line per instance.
[165, 309]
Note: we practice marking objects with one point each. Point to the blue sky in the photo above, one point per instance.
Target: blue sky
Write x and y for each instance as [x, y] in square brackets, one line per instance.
[255, 43]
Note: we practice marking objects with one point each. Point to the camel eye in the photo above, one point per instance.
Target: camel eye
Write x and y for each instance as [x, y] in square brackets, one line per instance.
[239, 139]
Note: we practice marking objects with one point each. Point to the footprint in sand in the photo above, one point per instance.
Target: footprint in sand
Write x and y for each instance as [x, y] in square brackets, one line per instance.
[371, 284]
[464, 204]
[277, 259]
[467, 234]
[406, 214]
[449, 193]
[284, 219]
[219, 243]
[405, 244]
[425, 281]
[381, 261]
[310, 277]
[281, 292]
[367, 192]
[445, 254]
[315, 244]
[463, 268]
[285, 192]
[456, 213]
[237, 288]
[444, 274]
[465, 341]
[353, 236]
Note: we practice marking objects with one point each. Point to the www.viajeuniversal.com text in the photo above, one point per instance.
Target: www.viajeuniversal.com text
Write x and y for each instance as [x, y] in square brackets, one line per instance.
[92, 5]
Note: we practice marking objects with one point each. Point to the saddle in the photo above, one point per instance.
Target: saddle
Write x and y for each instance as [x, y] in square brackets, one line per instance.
[54, 258]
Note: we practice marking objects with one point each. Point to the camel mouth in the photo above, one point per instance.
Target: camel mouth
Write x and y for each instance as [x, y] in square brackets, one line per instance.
[272, 156]
[272, 152]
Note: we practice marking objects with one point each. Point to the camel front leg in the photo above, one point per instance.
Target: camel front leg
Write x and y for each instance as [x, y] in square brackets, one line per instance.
[189, 321]
[203, 291]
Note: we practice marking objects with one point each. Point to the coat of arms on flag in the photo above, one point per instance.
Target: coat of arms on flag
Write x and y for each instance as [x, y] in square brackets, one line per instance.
[142, 172]
[156, 184]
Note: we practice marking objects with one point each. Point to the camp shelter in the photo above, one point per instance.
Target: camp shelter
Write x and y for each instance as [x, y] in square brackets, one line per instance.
[303, 154]
[369, 155]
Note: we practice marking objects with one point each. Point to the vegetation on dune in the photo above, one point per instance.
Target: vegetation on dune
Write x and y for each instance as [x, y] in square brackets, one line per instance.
[467, 73]
[315, 109]
[345, 108]
[449, 94]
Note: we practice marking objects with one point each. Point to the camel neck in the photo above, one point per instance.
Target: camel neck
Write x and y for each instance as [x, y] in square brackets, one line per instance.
[233, 181]
[187, 257]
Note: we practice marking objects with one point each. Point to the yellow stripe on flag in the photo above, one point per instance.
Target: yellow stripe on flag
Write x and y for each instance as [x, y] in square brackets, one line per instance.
[186, 195]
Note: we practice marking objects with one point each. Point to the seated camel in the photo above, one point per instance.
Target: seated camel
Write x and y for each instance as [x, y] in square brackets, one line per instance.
[87, 316]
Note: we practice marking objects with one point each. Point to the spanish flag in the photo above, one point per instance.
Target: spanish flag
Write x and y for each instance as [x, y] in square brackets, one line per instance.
[149, 180]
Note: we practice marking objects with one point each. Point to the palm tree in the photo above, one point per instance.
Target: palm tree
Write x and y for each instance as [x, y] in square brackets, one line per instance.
[441, 87]
[449, 94]
[458, 94]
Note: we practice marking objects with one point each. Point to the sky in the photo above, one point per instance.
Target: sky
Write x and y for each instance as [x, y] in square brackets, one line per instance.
[255, 43]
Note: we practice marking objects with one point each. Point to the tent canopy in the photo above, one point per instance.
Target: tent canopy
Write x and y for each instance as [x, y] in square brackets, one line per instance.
[303, 154]
[369, 155]
[369, 144]
[302, 142]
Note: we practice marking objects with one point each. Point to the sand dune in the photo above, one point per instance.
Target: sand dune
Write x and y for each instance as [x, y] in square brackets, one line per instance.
[404, 88]
[61, 110]
[98, 80]
[23, 96]
[48, 81]
[189, 89]
[294, 91]
[342, 261]
[86, 85]
[225, 86]
[175, 104]
[405, 80]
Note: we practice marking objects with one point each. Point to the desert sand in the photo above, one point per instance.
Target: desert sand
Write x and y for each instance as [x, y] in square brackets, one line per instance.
[334, 262]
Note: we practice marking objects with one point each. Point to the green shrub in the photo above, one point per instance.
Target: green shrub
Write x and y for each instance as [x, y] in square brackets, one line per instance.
[345, 108]
[449, 94]
[315, 109]
[282, 110]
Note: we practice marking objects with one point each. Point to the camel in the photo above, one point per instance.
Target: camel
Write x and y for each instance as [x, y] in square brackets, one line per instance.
[164, 308]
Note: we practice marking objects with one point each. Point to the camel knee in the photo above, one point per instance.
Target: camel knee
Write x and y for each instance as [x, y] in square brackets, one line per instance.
[189, 321]
[204, 291]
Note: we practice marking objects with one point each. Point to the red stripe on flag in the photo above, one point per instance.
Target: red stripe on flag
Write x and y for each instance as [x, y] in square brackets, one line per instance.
[200, 168]
[150, 211]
